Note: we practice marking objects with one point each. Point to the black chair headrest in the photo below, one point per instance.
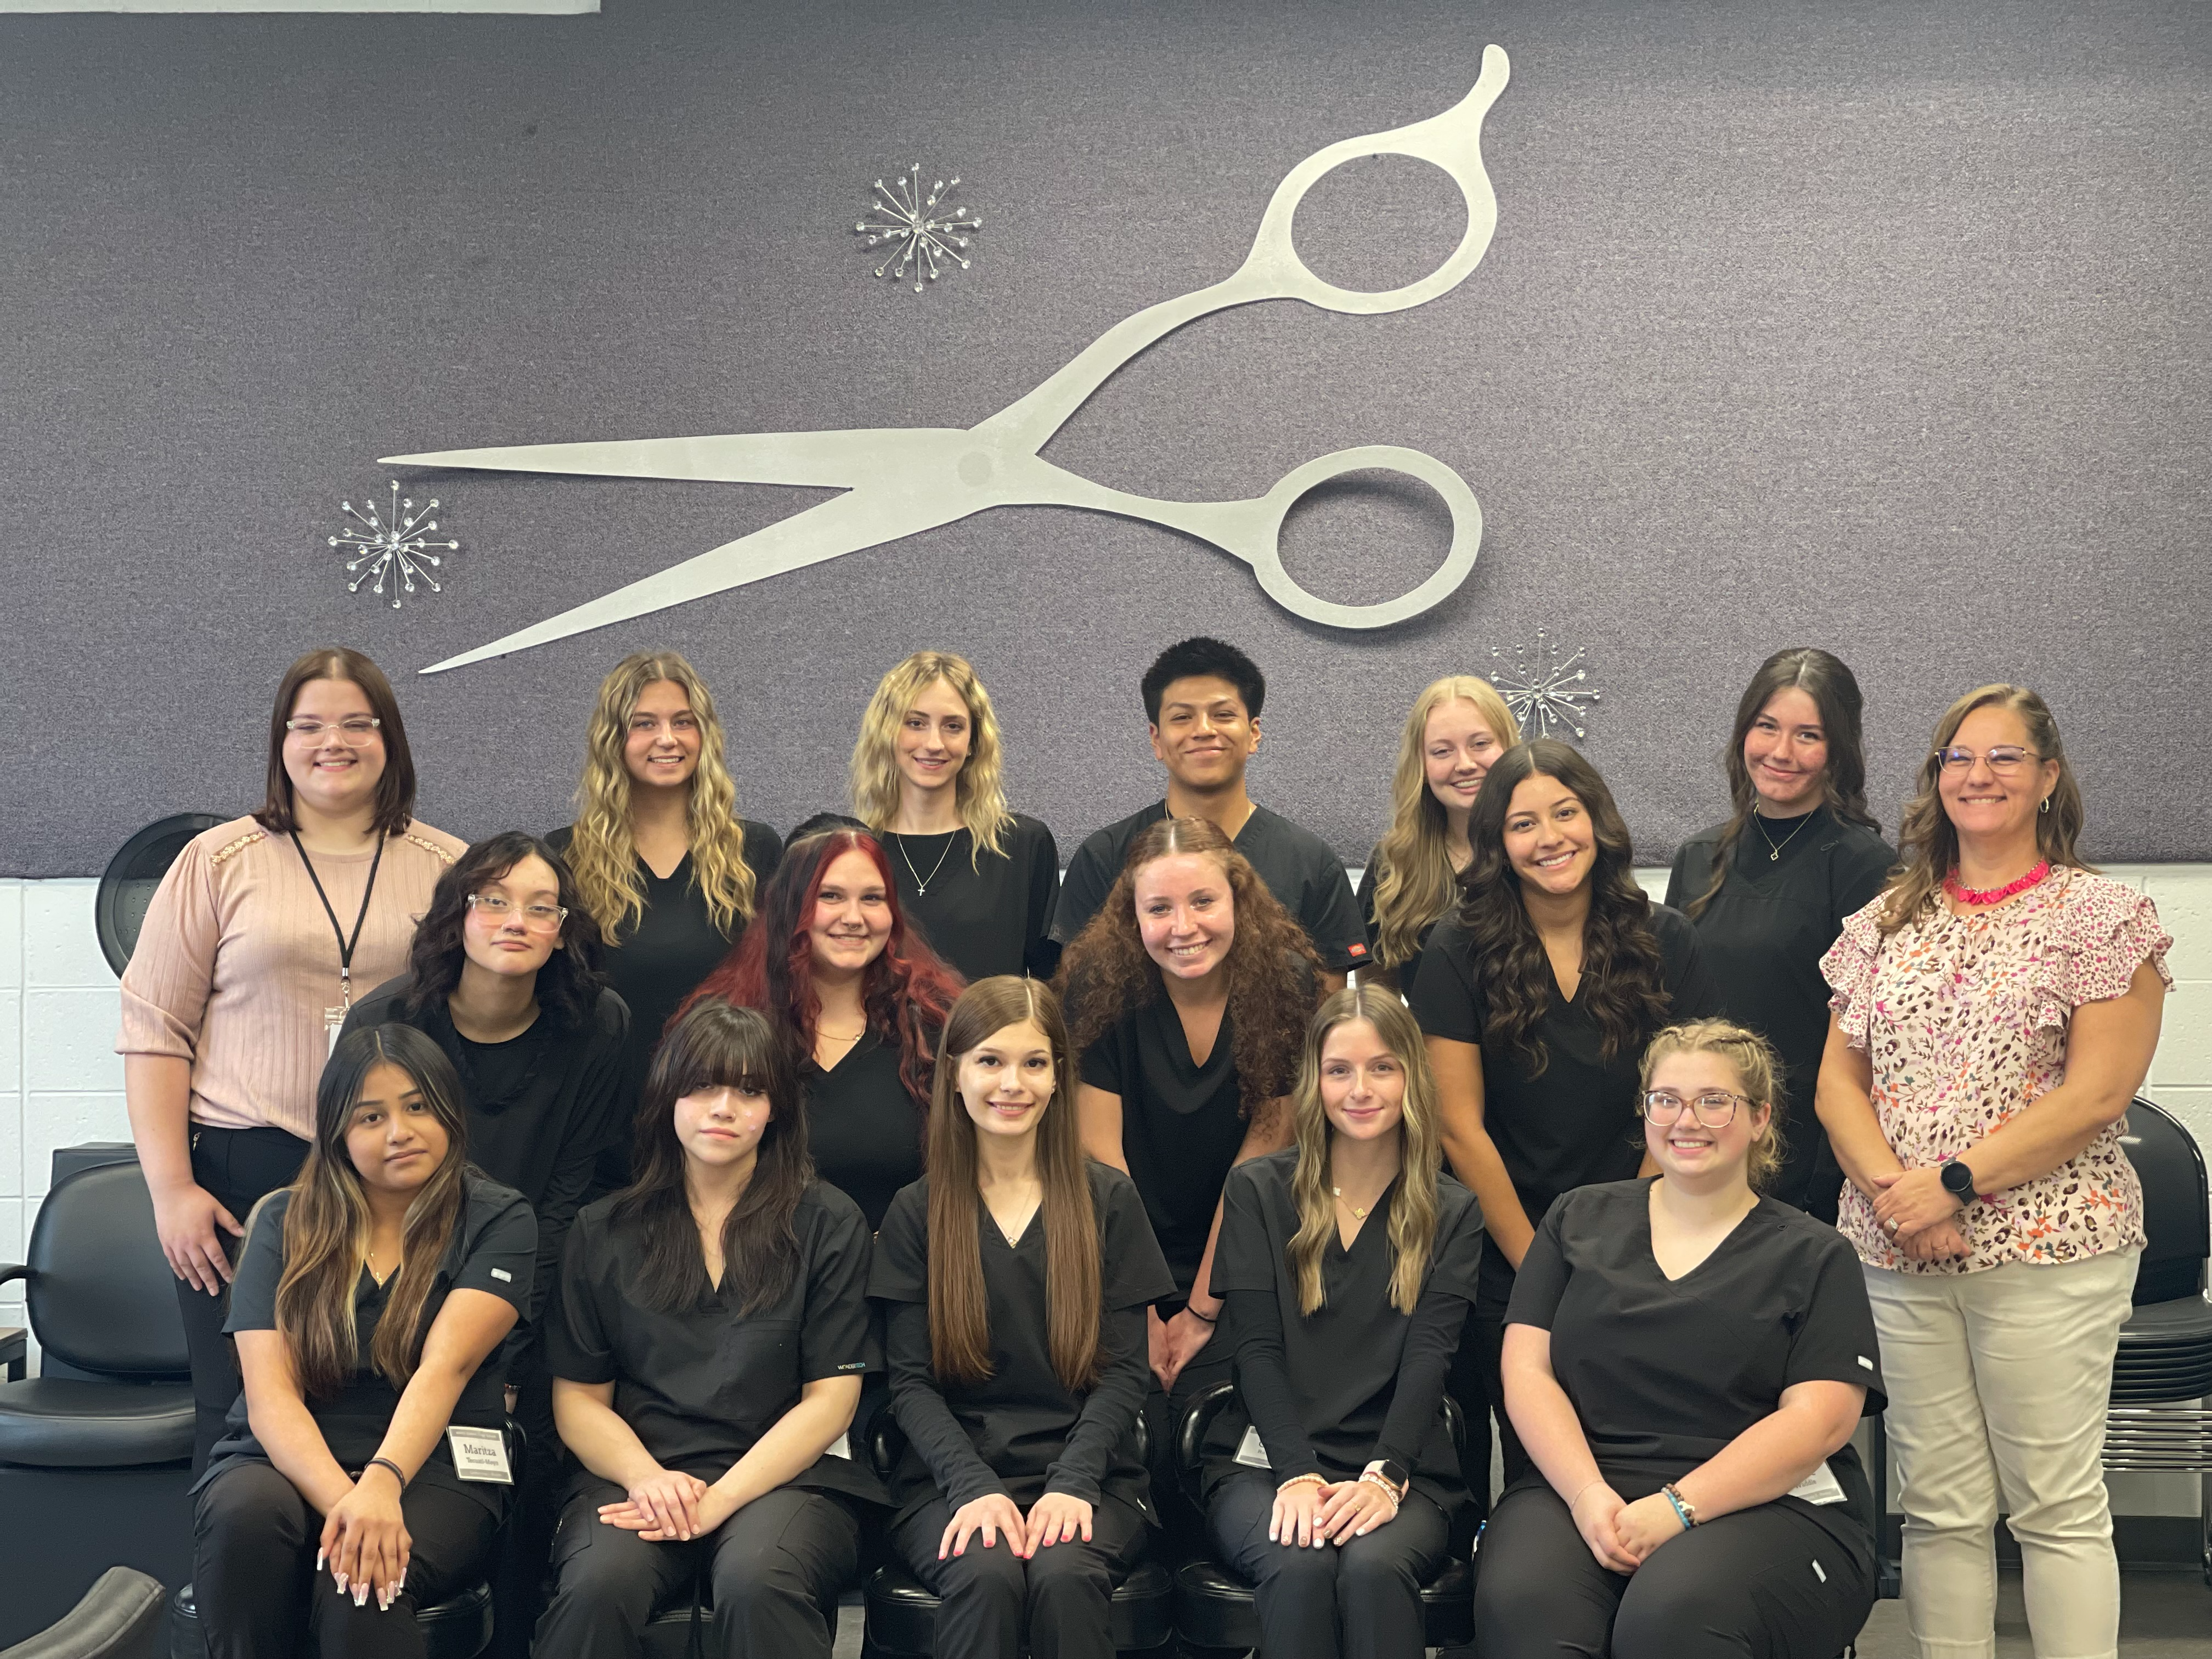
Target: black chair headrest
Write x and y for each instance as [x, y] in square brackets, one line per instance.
[127, 885]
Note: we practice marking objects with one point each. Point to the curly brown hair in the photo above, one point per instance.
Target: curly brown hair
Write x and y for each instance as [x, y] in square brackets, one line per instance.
[1273, 971]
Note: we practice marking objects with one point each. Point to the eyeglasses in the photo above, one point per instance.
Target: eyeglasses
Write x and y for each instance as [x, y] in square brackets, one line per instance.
[537, 918]
[354, 733]
[1714, 1109]
[2004, 757]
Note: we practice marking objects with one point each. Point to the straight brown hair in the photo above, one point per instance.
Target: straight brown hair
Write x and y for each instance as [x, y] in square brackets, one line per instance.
[395, 790]
[959, 1307]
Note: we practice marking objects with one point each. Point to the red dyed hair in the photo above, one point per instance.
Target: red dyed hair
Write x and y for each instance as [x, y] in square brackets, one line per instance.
[908, 991]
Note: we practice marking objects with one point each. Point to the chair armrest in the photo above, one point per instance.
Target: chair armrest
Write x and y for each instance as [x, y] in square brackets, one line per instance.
[13, 1270]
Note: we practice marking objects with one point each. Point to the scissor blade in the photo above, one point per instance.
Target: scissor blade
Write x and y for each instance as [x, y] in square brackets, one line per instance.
[838, 460]
[846, 524]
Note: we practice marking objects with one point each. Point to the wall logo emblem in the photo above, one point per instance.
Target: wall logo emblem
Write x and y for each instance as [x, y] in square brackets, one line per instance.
[900, 481]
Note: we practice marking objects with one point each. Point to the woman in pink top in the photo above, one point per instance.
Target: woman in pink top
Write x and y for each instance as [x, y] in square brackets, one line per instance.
[1994, 1011]
[261, 934]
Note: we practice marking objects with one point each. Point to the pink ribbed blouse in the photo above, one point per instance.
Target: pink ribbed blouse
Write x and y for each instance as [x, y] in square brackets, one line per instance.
[237, 961]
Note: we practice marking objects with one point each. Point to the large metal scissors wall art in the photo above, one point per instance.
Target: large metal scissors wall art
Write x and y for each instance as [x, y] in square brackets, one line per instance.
[902, 480]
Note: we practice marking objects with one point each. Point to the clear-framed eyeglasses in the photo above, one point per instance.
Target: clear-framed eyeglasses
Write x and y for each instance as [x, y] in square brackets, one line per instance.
[537, 918]
[2002, 757]
[1714, 1108]
[357, 731]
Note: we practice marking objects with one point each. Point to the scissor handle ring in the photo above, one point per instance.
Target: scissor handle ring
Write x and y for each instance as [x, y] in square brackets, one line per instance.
[1264, 550]
[1451, 141]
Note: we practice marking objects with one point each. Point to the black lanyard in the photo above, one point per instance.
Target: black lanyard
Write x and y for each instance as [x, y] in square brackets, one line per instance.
[345, 945]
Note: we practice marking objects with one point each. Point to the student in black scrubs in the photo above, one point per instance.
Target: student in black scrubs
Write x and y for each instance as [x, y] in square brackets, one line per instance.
[1770, 889]
[503, 977]
[856, 997]
[1202, 698]
[707, 1344]
[666, 865]
[339, 1458]
[1686, 1360]
[1188, 996]
[1537, 996]
[978, 881]
[1457, 727]
[1348, 1262]
[1015, 1280]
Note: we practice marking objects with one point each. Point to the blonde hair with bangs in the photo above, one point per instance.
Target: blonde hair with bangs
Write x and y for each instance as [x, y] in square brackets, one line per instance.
[1412, 1218]
[602, 850]
[1415, 883]
[976, 790]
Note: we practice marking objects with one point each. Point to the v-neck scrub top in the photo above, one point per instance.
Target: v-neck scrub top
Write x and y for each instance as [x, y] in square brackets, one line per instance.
[1763, 936]
[700, 1385]
[1355, 1380]
[494, 1251]
[1021, 1431]
[862, 1127]
[1574, 1122]
[988, 914]
[1181, 1123]
[660, 960]
[1664, 1373]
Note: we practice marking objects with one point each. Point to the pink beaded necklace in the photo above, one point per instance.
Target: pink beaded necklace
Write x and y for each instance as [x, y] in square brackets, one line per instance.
[1971, 896]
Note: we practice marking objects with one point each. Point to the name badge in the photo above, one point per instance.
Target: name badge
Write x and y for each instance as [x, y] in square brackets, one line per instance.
[1818, 1487]
[479, 1455]
[842, 1447]
[1250, 1452]
[333, 1022]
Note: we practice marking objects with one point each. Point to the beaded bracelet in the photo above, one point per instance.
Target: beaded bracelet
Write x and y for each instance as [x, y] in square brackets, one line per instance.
[1300, 1480]
[1683, 1511]
[1373, 1479]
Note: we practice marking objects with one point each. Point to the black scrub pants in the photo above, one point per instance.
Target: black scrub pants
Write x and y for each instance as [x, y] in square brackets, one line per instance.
[261, 1597]
[240, 1167]
[518, 1582]
[776, 1568]
[1357, 1601]
[1482, 1344]
[1180, 1519]
[1768, 1582]
[1060, 1598]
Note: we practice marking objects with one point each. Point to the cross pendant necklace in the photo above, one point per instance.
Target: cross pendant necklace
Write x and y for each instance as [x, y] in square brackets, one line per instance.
[921, 883]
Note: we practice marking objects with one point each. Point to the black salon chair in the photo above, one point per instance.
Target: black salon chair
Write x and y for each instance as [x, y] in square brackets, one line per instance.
[126, 886]
[1214, 1607]
[95, 1454]
[120, 1618]
[901, 1613]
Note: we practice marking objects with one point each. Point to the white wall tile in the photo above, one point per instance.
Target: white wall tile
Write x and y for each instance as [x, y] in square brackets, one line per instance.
[11, 933]
[11, 1042]
[2183, 893]
[2185, 1037]
[51, 1120]
[61, 947]
[11, 1149]
[69, 1040]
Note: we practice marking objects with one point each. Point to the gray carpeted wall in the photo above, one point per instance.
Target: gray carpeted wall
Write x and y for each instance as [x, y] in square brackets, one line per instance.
[1881, 326]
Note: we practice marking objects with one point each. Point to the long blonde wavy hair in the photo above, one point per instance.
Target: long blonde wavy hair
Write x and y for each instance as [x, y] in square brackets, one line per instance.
[603, 853]
[977, 789]
[1412, 1219]
[1414, 885]
[1928, 844]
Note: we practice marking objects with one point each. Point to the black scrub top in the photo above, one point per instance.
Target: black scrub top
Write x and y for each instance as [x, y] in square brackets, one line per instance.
[494, 1251]
[1306, 878]
[1355, 1380]
[1181, 1123]
[1763, 936]
[990, 914]
[1663, 1373]
[1021, 1431]
[660, 959]
[1402, 977]
[541, 1108]
[699, 1386]
[862, 1127]
[1577, 1122]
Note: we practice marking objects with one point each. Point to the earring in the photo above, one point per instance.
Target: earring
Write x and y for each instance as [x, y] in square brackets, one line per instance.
[2045, 807]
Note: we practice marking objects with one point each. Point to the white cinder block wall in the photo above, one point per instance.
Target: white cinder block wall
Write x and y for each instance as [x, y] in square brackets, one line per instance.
[61, 1082]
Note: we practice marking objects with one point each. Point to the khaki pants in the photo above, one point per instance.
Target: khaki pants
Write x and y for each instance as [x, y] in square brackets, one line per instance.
[1998, 1386]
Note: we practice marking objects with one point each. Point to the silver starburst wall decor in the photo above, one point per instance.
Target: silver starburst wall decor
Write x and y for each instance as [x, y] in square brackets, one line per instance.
[922, 236]
[1539, 687]
[394, 548]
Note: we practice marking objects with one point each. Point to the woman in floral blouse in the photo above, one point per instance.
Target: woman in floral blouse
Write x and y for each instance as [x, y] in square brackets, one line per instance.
[1995, 1010]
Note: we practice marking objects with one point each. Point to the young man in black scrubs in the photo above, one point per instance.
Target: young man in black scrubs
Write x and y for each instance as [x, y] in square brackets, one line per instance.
[1202, 699]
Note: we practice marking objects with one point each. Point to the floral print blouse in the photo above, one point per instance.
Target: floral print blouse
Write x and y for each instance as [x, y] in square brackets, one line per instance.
[1965, 1019]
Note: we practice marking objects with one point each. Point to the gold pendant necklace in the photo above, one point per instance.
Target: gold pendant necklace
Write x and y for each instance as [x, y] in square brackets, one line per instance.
[1358, 1213]
[1774, 853]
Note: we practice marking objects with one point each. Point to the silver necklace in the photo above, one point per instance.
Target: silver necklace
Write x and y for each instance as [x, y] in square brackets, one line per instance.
[921, 883]
[1774, 853]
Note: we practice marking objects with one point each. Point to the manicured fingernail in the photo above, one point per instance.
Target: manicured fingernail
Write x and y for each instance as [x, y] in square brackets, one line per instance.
[342, 1584]
[319, 1554]
[361, 1595]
